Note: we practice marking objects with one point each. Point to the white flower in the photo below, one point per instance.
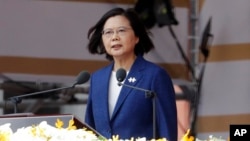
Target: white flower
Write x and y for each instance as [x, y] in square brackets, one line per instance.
[5, 128]
[5, 131]
[46, 132]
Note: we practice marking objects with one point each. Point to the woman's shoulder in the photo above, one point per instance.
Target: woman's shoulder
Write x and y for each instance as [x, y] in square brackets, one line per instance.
[103, 70]
[149, 65]
[154, 69]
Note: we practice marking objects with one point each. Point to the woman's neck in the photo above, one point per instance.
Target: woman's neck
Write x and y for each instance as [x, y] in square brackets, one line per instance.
[124, 63]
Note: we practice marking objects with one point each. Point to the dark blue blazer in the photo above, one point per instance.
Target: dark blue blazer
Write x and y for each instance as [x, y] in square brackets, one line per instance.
[133, 113]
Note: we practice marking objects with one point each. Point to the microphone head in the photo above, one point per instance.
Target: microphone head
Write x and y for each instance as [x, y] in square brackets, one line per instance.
[82, 77]
[121, 74]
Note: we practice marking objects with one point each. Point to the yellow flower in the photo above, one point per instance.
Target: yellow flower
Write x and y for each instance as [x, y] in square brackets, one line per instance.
[5, 132]
[115, 138]
[59, 124]
[187, 137]
[71, 125]
[4, 136]
[33, 131]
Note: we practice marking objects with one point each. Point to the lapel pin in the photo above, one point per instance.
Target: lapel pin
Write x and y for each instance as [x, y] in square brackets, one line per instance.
[131, 80]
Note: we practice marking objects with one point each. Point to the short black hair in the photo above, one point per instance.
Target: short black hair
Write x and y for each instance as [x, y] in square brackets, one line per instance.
[145, 44]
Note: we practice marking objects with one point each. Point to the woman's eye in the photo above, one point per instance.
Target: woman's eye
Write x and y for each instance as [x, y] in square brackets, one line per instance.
[121, 30]
[108, 32]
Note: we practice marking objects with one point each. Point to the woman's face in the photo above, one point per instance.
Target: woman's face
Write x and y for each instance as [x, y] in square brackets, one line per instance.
[118, 37]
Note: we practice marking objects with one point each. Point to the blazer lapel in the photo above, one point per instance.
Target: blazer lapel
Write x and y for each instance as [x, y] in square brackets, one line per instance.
[134, 76]
[103, 90]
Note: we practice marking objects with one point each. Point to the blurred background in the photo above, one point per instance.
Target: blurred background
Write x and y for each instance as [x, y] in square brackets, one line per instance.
[204, 45]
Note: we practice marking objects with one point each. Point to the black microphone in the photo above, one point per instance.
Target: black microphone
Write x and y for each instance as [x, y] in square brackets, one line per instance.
[120, 76]
[82, 77]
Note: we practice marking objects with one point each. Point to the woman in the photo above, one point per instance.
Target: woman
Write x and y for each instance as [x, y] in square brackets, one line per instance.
[120, 110]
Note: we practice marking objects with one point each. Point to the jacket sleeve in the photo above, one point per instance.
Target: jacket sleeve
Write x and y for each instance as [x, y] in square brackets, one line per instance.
[166, 113]
[89, 119]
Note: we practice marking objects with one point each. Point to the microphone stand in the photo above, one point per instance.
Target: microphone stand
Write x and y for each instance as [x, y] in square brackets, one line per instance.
[196, 81]
[205, 52]
[18, 99]
[185, 58]
[148, 94]
[196, 102]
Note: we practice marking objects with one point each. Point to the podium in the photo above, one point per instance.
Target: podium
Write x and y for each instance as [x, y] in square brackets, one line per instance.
[20, 120]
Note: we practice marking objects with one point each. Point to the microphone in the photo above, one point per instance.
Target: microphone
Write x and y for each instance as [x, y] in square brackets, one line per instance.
[120, 76]
[82, 78]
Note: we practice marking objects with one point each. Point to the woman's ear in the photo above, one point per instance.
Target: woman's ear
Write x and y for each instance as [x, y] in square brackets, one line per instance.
[137, 40]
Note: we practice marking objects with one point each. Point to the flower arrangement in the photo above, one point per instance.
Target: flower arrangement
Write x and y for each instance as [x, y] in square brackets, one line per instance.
[186, 137]
[46, 132]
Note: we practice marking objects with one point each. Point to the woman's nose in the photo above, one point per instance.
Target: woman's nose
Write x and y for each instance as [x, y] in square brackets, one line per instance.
[115, 36]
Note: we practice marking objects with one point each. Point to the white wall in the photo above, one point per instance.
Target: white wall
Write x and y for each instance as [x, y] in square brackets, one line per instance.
[57, 29]
[225, 89]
